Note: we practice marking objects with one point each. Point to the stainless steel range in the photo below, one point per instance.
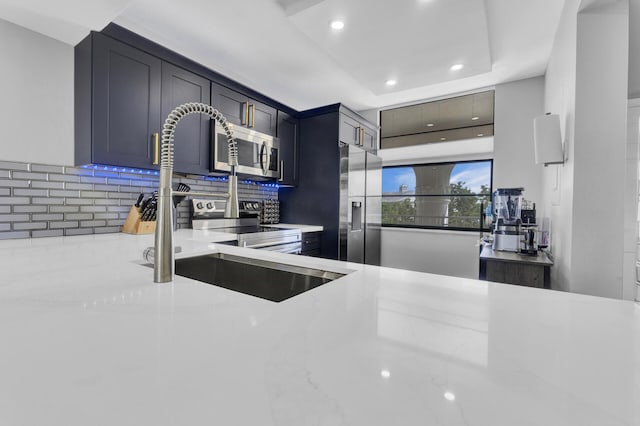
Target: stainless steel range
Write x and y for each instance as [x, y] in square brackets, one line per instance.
[208, 214]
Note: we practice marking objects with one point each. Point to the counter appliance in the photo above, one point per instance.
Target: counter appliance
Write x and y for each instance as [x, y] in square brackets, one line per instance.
[258, 153]
[507, 204]
[208, 214]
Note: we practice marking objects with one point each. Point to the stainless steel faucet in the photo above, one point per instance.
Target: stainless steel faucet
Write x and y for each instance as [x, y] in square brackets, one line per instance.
[163, 265]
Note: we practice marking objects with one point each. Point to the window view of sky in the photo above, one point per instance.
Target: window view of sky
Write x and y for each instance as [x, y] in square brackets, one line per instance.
[474, 174]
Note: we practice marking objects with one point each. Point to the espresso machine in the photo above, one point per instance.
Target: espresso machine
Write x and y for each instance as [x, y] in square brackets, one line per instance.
[507, 219]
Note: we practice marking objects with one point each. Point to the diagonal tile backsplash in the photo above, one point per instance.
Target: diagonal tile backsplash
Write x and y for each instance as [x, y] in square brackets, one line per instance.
[38, 200]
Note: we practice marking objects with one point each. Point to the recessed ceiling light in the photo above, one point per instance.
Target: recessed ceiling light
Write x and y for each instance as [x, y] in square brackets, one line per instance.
[475, 118]
[449, 396]
[385, 373]
[337, 25]
[457, 67]
[391, 82]
[430, 124]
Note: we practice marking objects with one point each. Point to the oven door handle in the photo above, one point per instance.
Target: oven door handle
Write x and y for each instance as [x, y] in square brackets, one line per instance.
[257, 246]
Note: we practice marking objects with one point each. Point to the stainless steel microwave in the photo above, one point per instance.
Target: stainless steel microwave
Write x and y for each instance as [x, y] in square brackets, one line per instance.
[258, 153]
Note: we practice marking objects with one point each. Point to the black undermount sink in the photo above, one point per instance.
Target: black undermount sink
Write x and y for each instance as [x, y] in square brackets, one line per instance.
[268, 280]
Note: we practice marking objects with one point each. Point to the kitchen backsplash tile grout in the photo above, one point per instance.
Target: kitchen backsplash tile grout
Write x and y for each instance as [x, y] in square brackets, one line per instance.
[41, 200]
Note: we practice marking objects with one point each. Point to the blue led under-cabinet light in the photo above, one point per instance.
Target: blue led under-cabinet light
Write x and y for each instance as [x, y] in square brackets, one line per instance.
[103, 167]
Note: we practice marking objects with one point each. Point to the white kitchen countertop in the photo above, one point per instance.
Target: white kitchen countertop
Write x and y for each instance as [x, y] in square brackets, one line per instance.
[87, 338]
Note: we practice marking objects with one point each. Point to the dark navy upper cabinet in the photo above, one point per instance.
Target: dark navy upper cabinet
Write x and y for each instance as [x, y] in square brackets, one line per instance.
[288, 137]
[125, 105]
[123, 96]
[126, 85]
[355, 131]
[192, 134]
[241, 110]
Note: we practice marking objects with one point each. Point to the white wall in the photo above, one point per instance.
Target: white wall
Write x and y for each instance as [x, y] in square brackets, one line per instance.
[586, 83]
[456, 253]
[435, 251]
[36, 83]
[516, 105]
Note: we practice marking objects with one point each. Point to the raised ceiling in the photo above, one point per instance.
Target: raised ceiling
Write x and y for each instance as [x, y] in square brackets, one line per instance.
[286, 49]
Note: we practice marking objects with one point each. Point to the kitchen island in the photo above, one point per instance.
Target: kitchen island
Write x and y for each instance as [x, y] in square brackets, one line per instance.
[87, 338]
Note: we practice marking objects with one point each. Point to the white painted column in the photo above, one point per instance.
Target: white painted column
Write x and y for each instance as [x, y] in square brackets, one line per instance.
[631, 279]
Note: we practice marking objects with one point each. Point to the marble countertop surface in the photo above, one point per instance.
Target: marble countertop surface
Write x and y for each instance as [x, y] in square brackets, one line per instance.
[87, 338]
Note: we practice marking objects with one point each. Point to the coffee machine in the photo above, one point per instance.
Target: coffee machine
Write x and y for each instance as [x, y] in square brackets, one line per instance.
[507, 205]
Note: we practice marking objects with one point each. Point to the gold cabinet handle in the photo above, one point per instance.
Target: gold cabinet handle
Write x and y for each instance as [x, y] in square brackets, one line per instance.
[246, 114]
[361, 136]
[156, 152]
[253, 115]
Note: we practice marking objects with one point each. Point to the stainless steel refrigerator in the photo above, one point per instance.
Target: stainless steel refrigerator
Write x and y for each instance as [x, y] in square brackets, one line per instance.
[339, 188]
[360, 206]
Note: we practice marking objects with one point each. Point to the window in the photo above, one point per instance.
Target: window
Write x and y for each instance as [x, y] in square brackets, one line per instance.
[442, 195]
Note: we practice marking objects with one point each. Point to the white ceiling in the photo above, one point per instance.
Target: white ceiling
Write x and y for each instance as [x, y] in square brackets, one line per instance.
[285, 49]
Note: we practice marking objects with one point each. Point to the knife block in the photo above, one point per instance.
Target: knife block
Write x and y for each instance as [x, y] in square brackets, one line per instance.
[135, 225]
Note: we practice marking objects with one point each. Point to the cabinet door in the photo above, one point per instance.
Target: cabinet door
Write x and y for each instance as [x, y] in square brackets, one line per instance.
[192, 134]
[244, 111]
[126, 104]
[288, 137]
[233, 105]
[349, 130]
[370, 139]
[262, 117]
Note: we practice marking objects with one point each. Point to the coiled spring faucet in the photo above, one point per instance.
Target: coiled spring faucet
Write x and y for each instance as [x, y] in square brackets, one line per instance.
[163, 265]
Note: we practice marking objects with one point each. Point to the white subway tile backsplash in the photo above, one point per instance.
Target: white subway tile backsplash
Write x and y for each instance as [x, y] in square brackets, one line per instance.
[31, 192]
[12, 183]
[77, 216]
[14, 218]
[47, 168]
[22, 226]
[78, 231]
[64, 209]
[14, 200]
[14, 166]
[30, 209]
[41, 200]
[29, 176]
[79, 186]
[68, 224]
[16, 234]
[47, 185]
[48, 233]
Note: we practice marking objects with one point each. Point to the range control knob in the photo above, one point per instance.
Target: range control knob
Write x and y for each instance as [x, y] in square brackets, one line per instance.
[209, 205]
[199, 205]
